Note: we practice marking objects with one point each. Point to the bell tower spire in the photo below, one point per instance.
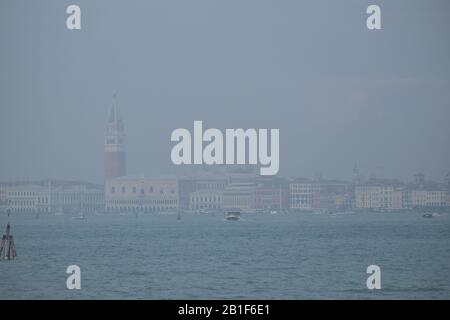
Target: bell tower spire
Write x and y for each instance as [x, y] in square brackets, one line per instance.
[114, 147]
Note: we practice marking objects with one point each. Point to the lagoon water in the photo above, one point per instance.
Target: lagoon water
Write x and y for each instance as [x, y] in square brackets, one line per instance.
[283, 256]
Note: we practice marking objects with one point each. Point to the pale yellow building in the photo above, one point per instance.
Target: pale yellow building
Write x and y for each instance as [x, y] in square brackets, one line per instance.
[378, 197]
[429, 198]
[301, 194]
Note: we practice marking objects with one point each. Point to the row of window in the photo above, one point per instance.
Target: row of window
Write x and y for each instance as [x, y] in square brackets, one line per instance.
[301, 201]
[139, 209]
[206, 199]
[236, 202]
[141, 191]
[144, 202]
[205, 206]
[300, 187]
[210, 186]
[21, 203]
[42, 200]
[21, 193]
[22, 209]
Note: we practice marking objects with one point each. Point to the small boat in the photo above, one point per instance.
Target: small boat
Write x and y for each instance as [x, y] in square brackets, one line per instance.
[80, 217]
[427, 215]
[233, 215]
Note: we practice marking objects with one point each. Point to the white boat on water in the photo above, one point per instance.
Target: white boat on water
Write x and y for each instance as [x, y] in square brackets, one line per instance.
[81, 216]
[233, 215]
[430, 214]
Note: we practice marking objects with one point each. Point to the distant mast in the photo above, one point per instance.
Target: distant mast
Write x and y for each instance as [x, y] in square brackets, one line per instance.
[7, 247]
[114, 147]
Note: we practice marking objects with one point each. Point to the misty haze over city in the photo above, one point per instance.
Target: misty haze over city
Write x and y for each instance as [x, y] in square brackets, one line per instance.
[224, 151]
[339, 93]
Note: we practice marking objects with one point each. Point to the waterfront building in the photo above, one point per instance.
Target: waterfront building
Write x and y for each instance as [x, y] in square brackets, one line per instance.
[307, 194]
[206, 200]
[332, 194]
[142, 194]
[429, 198]
[379, 196]
[76, 197]
[302, 193]
[211, 189]
[24, 198]
[50, 197]
[186, 185]
[423, 193]
[367, 197]
[209, 182]
[398, 201]
[207, 191]
[271, 194]
[240, 195]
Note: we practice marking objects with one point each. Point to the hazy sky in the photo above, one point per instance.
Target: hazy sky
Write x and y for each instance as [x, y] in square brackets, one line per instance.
[339, 93]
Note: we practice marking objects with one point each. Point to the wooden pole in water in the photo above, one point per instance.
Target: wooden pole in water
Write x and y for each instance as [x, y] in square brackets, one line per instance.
[7, 247]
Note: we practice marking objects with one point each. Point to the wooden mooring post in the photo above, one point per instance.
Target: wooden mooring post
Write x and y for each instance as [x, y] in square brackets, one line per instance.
[7, 247]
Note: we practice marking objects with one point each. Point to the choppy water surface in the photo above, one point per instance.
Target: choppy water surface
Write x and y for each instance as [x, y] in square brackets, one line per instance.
[284, 256]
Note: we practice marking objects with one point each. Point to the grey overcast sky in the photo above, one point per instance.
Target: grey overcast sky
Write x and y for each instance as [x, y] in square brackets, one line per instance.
[339, 93]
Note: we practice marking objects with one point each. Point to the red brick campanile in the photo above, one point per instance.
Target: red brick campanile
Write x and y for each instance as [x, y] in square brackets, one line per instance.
[114, 149]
